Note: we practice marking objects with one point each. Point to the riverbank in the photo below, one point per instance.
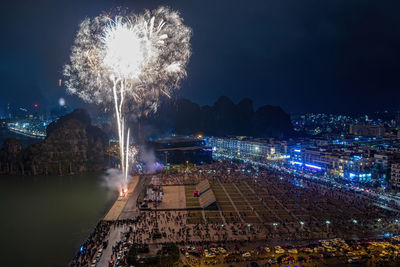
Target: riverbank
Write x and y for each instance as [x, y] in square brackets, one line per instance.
[105, 236]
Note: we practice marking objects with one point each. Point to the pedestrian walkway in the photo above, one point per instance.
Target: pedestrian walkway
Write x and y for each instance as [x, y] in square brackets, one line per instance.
[119, 205]
[113, 238]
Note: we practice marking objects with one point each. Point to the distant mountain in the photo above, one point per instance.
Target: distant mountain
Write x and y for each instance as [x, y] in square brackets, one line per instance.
[224, 118]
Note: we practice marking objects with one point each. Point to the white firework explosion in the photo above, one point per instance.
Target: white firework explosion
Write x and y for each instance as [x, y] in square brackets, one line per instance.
[130, 62]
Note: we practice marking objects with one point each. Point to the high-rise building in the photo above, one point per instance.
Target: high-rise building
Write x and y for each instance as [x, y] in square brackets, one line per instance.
[395, 175]
[367, 130]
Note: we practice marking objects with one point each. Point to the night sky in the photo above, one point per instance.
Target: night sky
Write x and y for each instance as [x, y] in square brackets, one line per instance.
[329, 56]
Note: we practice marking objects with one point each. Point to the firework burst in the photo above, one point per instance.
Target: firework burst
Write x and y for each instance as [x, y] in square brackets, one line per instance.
[129, 62]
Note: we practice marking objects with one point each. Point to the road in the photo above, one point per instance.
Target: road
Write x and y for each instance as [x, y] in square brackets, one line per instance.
[130, 210]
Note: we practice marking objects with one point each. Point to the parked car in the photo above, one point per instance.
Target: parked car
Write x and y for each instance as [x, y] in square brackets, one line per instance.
[279, 250]
[246, 255]
[354, 260]
[214, 250]
[209, 255]
[222, 250]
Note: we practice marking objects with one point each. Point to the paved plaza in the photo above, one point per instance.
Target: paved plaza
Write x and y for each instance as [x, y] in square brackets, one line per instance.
[174, 198]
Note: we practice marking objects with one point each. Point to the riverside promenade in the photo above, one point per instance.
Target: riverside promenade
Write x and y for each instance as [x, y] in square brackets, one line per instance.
[116, 209]
[123, 208]
[110, 228]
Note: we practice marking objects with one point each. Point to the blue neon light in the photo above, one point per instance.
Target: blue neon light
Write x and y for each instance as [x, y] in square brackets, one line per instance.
[387, 235]
[297, 150]
[313, 166]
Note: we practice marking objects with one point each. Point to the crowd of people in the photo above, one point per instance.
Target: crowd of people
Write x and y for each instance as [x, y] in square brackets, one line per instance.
[90, 247]
[255, 205]
[291, 207]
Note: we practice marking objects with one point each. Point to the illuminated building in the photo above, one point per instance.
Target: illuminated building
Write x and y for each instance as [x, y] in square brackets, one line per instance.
[367, 130]
[247, 149]
[395, 176]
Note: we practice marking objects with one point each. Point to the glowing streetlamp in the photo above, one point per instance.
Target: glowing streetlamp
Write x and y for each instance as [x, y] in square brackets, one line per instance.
[327, 224]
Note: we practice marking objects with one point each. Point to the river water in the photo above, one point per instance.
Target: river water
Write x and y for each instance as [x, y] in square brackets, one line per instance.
[44, 220]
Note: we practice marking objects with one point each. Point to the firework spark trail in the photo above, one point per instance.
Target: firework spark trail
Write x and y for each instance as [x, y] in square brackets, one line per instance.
[130, 62]
[127, 154]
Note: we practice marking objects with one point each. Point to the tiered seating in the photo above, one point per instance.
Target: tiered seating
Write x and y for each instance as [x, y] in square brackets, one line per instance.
[207, 197]
[203, 186]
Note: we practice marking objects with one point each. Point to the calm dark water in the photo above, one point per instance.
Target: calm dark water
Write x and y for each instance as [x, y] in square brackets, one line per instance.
[44, 220]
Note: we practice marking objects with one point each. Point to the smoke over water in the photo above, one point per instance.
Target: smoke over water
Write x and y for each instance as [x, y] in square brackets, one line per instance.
[114, 179]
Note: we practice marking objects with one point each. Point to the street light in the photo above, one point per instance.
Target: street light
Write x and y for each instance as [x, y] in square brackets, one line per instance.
[327, 225]
[355, 221]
